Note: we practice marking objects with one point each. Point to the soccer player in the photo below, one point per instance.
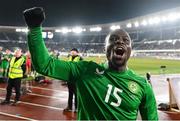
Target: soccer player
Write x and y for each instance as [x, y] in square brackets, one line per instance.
[112, 93]
[5, 64]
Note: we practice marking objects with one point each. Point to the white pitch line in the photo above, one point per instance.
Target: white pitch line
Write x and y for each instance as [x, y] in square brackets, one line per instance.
[15, 116]
[38, 105]
[59, 98]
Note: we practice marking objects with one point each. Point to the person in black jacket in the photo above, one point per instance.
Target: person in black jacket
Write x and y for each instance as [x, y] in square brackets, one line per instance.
[75, 57]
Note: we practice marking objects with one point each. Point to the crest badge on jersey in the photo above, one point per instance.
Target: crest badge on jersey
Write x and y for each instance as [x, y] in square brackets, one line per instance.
[99, 72]
[133, 87]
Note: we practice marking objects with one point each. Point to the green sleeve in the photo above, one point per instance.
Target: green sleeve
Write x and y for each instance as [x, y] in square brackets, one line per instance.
[148, 108]
[44, 63]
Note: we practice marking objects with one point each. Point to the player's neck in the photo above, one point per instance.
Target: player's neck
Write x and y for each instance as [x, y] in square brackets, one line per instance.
[118, 68]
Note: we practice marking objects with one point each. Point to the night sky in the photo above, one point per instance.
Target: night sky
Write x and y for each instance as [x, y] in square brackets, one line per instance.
[81, 12]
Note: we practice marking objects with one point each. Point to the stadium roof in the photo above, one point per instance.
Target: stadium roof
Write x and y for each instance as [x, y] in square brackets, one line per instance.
[82, 12]
[155, 20]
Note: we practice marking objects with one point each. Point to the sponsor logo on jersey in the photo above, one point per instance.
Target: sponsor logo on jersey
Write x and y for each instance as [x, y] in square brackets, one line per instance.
[99, 72]
[133, 87]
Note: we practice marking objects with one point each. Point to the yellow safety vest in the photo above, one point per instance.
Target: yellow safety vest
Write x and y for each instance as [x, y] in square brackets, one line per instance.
[76, 59]
[15, 70]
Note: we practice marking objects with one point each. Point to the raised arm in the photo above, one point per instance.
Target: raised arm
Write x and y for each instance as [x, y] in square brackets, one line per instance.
[42, 61]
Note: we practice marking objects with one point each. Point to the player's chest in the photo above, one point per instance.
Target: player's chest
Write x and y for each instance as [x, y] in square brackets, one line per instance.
[114, 91]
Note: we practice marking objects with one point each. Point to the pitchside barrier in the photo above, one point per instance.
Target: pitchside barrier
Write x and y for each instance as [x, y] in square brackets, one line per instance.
[174, 94]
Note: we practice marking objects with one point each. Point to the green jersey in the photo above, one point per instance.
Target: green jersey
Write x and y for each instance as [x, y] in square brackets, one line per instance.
[103, 94]
[5, 60]
[7, 57]
[1, 54]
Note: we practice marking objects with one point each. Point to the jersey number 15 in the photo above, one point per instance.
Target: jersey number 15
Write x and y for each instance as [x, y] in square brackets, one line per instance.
[115, 93]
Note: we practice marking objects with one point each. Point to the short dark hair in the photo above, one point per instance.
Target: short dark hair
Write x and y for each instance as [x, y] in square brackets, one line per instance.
[75, 49]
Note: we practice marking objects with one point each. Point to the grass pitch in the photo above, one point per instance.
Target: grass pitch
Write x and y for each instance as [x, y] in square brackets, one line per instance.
[153, 65]
[144, 65]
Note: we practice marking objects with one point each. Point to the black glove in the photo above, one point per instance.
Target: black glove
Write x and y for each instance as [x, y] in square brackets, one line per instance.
[34, 16]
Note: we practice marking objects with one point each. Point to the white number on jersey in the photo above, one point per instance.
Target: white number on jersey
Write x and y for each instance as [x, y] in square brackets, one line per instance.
[115, 93]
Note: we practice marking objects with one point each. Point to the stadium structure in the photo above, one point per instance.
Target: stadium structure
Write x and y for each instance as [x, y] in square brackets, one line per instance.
[155, 34]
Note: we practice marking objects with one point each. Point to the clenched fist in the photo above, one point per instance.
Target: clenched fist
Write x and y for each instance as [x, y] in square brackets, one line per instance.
[34, 17]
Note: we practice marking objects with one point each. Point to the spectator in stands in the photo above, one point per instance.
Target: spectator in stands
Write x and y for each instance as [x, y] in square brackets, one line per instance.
[74, 56]
[15, 74]
[112, 93]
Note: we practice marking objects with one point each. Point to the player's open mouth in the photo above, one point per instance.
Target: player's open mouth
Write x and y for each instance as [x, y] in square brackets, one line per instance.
[119, 51]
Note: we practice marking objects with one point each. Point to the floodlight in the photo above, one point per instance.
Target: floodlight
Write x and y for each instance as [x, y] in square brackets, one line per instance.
[95, 29]
[144, 22]
[172, 16]
[156, 20]
[65, 30]
[129, 25]
[57, 30]
[164, 18]
[78, 30]
[22, 30]
[25, 30]
[178, 15]
[136, 24]
[18, 30]
[114, 27]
